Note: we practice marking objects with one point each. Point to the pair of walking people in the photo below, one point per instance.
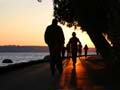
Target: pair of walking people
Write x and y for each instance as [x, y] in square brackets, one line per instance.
[74, 45]
[55, 40]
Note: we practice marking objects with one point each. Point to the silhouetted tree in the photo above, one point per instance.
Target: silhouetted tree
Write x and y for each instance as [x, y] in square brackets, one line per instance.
[99, 18]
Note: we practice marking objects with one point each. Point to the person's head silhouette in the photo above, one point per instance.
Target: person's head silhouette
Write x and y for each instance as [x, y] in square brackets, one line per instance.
[74, 34]
[54, 22]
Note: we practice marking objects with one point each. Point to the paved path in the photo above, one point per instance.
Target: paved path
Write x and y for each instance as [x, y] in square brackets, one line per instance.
[37, 77]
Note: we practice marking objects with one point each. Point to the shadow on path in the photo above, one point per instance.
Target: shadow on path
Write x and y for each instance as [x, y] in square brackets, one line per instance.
[38, 77]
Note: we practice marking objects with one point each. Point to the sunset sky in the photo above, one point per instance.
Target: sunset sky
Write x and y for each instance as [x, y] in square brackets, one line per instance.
[23, 22]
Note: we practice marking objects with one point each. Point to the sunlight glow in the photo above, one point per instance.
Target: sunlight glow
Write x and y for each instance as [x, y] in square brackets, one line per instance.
[83, 36]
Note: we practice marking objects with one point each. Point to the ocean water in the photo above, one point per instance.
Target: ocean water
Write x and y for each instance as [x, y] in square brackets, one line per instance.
[21, 57]
[27, 56]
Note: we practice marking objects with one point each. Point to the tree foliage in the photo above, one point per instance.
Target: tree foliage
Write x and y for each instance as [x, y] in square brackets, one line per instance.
[104, 15]
[93, 16]
[84, 12]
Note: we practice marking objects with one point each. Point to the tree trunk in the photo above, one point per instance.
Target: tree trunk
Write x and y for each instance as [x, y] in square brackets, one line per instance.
[102, 45]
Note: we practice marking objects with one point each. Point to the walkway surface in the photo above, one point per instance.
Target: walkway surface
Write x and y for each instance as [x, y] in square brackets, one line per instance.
[38, 77]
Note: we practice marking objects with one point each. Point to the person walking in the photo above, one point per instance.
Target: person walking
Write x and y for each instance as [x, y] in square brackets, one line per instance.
[80, 49]
[74, 42]
[68, 50]
[86, 50]
[63, 52]
[54, 38]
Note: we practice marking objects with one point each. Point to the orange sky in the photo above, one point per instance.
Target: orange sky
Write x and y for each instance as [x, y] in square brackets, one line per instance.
[23, 22]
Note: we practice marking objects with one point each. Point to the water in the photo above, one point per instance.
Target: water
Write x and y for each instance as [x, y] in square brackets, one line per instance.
[21, 57]
[27, 57]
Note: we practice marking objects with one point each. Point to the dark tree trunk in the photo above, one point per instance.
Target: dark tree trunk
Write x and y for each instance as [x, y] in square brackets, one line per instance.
[102, 45]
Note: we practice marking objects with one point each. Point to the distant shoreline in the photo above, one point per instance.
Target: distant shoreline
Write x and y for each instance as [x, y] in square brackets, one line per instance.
[13, 48]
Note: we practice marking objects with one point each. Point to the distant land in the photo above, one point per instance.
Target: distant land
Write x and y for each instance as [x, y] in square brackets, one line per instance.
[13, 48]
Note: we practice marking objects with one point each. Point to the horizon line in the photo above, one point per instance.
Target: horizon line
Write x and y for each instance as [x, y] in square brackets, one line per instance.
[30, 45]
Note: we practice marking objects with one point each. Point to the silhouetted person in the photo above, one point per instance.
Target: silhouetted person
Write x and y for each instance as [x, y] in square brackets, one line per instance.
[74, 41]
[97, 52]
[63, 52]
[68, 49]
[54, 37]
[86, 50]
[80, 49]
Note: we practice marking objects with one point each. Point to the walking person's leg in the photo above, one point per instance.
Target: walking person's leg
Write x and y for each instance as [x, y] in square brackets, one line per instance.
[52, 65]
[59, 64]
[85, 53]
[52, 61]
[74, 58]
